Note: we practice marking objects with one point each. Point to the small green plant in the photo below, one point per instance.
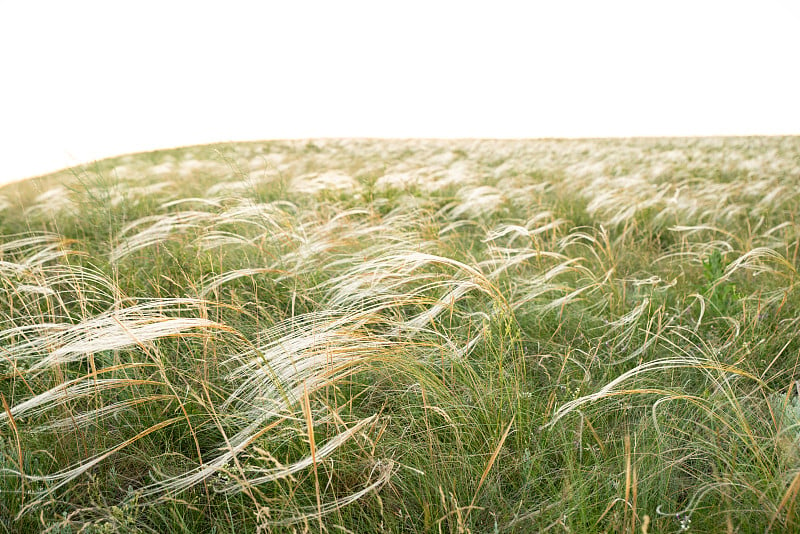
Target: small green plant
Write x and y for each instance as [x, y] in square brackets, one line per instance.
[720, 292]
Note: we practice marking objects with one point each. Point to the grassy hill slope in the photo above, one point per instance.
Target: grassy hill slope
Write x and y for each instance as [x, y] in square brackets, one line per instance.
[408, 336]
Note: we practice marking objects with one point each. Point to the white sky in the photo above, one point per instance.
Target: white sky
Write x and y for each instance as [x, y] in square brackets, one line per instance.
[84, 80]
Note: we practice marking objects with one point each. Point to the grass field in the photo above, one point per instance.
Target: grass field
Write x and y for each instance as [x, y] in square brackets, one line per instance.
[405, 336]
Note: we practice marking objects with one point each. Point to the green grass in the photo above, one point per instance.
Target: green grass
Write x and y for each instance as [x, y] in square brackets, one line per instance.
[405, 336]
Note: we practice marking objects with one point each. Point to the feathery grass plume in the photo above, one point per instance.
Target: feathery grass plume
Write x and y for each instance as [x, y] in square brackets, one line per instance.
[51, 201]
[35, 290]
[595, 241]
[273, 216]
[198, 200]
[252, 224]
[402, 278]
[617, 200]
[38, 283]
[503, 258]
[53, 292]
[318, 240]
[227, 189]
[620, 333]
[782, 235]
[400, 180]
[762, 260]
[384, 470]
[73, 390]
[314, 183]
[311, 352]
[514, 230]
[212, 283]
[477, 201]
[161, 229]
[702, 231]
[721, 420]
[546, 271]
[299, 347]
[533, 230]
[686, 357]
[531, 292]
[49, 344]
[257, 475]
[31, 251]
[218, 239]
[123, 193]
[774, 197]
[306, 353]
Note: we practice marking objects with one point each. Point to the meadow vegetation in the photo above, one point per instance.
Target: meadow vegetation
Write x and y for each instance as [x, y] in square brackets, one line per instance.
[405, 336]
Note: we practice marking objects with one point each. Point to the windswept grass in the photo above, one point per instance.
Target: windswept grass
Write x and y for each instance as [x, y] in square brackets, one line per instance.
[405, 336]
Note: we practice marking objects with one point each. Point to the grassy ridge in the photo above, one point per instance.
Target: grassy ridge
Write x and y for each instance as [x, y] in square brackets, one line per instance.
[414, 336]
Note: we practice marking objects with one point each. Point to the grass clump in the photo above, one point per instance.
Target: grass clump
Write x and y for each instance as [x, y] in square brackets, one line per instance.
[415, 336]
